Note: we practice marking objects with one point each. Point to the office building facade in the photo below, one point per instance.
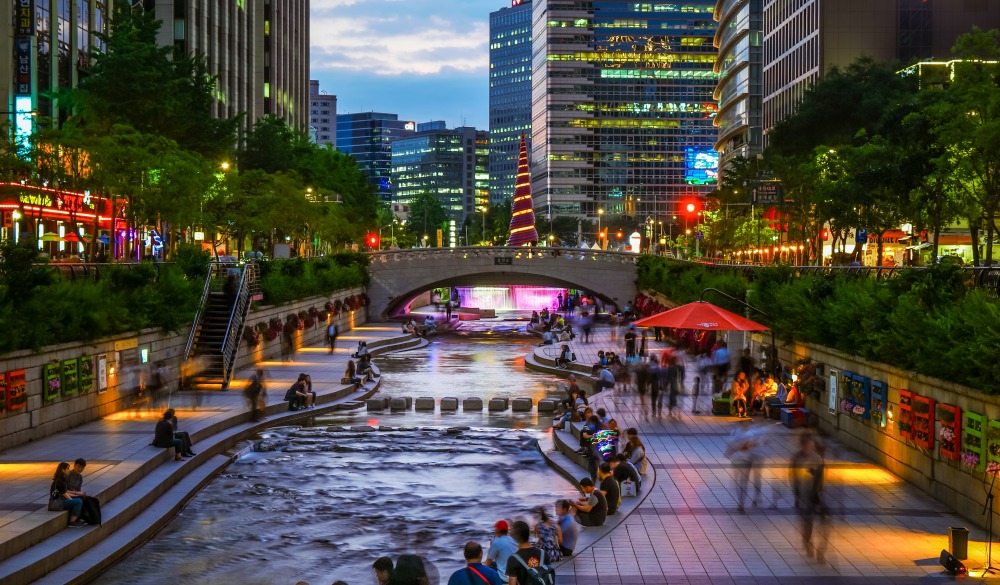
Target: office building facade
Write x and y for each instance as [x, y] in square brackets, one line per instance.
[453, 165]
[258, 52]
[322, 116]
[740, 40]
[46, 47]
[510, 94]
[805, 39]
[622, 107]
[367, 137]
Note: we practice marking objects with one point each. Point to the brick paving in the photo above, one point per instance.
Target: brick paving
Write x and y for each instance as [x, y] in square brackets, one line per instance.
[689, 530]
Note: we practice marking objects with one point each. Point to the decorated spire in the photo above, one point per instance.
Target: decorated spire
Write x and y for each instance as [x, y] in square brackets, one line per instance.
[522, 219]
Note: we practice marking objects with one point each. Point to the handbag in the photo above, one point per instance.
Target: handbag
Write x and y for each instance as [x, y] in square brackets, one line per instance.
[55, 501]
[628, 489]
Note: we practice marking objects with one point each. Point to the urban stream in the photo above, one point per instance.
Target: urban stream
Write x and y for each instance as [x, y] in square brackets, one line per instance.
[327, 499]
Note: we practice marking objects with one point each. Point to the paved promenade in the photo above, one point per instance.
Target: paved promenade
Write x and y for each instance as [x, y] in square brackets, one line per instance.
[689, 530]
[118, 452]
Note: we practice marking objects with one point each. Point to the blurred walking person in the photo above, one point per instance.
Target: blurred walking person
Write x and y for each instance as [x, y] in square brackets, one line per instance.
[743, 450]
[808, 469]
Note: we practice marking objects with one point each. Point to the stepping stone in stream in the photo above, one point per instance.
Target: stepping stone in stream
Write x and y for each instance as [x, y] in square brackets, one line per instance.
[521, 405]
[450, 404]
[498, 404]
[424, 403]
[472, 404]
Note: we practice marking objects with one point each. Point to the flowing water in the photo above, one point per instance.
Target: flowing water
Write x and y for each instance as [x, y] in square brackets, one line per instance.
[331, 497]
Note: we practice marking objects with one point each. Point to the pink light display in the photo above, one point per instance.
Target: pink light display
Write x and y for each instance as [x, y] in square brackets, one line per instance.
[511, 297]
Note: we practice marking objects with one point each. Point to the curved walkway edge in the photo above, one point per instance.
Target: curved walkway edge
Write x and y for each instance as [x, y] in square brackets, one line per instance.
[139, 486]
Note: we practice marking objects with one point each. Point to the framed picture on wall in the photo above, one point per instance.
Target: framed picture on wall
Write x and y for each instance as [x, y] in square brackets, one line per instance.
[102, 373]
[17, 398]
[51, 381]
[833, 398]
[3, 391]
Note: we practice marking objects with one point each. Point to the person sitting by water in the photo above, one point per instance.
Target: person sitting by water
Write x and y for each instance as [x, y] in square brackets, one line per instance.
[307, 389]
[62, 498]
[544, 315]
[365, 368]
[592, 509]
[500, 549]
[567, 333]
[565, 357]
[605, 379]
[183, 436]
[534, 318]
[362, 349]
[634, 450]
[547, 338]
[623, 470]
[429, 325]
[296, 395]
[163, 435]
[474, 571]
[602, 361]
[383, 570]
[351, 374]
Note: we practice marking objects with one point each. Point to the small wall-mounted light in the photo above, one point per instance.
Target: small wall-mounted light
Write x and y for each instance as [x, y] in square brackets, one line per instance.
[111, 371]
[889, 412]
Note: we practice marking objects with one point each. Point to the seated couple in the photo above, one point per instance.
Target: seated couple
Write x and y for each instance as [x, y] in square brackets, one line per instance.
[166, 435]
[353, 374]
[300, 395]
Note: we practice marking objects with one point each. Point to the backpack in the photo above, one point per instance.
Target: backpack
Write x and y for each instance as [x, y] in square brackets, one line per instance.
[541, 575]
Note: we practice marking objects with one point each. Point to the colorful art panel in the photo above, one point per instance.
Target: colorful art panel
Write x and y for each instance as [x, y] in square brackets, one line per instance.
[51, 381]
[70, 375]
[86, 378]
[17, 385]
[3, 391]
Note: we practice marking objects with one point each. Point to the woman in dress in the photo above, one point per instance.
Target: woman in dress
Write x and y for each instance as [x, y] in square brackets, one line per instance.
[549, 536]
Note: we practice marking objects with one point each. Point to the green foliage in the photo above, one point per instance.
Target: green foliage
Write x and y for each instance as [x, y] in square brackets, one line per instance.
[283, 281]
[192, 261]
[122, 299]
[929, 321]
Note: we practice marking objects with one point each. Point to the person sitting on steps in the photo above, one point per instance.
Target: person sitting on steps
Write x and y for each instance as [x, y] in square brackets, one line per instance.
[163, 435]
[296, 395]
[351, 374]
[62, 498]
[565, 358]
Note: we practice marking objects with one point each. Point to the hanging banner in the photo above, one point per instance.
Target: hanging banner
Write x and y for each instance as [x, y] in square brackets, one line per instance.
[51, 381]
[16, 385]
[70, 373]
[102, 373]
[22, 72]
[3, 391]
[24, 11]
[832, 398]
[86, 378]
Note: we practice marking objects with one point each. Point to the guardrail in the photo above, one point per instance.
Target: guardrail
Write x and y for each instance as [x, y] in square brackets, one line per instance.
[473, 252]
[249, 281]
[197, 316]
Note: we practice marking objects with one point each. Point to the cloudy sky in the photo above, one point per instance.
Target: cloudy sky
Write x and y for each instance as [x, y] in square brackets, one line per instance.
[422, 59]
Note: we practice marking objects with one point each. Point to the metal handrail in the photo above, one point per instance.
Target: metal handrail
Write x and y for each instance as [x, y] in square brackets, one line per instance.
[197, 316]
[231, 343]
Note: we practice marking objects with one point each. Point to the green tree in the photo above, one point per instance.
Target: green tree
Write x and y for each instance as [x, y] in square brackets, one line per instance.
[426, 216]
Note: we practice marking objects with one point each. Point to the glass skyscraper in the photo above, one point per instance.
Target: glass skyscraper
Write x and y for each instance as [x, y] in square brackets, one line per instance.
[367, 137]
[450, 164]
[740, 41]
[510, 94]
[622, 106]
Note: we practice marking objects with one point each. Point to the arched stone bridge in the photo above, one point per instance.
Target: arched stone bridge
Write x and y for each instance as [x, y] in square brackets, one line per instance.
[399, 275]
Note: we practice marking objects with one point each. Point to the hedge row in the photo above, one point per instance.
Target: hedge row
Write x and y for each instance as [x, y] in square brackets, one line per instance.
[926, 320]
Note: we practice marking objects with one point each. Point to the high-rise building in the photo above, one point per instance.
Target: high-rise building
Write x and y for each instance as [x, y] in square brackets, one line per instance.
[622, 107]
[510, 93]
[740, 41]
[453, 165]
[258, 52]
[805, 39]
[47, 45]
[367, 137]
[322, 115]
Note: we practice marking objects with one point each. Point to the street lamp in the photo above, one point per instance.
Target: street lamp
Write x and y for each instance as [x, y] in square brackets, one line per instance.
[600, 212]
[484, 209]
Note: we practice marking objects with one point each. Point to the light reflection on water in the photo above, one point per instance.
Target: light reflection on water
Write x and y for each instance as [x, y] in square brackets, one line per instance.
[333, 499]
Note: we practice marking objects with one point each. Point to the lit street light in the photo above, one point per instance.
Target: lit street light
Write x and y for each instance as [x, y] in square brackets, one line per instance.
[600, 212]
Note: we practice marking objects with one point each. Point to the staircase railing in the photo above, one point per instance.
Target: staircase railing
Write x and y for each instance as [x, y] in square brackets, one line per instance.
[197, 316]
[249, 287]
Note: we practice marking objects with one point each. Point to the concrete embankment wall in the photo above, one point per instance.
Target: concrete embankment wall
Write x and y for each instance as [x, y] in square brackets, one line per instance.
[114, 391]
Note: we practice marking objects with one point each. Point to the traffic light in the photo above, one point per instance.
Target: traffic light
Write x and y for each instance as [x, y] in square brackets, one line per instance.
[373, 241]
[619, 235]
[826, 234]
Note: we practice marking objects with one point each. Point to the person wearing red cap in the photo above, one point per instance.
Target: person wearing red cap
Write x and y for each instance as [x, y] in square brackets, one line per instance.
[500, 549]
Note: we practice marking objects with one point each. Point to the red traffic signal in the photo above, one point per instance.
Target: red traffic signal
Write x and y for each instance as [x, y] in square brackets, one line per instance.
[826, 234]
[373, 240]
[692, 206]
[619, 235]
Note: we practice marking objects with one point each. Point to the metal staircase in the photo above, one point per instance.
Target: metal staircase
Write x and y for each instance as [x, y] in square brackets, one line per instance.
[215, 337]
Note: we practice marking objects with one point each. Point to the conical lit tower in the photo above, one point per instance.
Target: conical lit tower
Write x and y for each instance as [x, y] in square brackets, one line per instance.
[522, 219]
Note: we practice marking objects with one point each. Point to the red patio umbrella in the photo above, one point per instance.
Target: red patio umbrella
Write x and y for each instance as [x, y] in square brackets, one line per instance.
[701, 315]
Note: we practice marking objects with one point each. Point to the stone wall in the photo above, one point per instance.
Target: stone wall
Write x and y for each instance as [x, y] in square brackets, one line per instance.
[957, 486]
[40, 418]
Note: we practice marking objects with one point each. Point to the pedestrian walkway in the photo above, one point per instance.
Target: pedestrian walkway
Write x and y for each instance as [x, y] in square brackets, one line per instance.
[118, 451]
[689, 529]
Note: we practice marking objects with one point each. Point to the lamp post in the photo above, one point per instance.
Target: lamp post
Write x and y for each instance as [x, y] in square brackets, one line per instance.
[600, 212]
[484, 209]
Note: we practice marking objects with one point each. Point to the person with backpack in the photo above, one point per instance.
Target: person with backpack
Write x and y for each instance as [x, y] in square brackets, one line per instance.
[527, 566]
[474, 572]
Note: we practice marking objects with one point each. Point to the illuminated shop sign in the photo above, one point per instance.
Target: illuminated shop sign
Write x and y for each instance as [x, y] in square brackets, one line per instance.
[22, 58]
[410, 126]
[24, 22]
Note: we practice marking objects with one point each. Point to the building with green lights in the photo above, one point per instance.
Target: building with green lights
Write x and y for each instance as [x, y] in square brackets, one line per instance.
[622, 107]
[510, 94]
[453, 165]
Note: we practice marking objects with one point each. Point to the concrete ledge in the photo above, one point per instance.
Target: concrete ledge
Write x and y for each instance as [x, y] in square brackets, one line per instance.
[472, 404]
[449, 404]
[498, 404]
[521, 405]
